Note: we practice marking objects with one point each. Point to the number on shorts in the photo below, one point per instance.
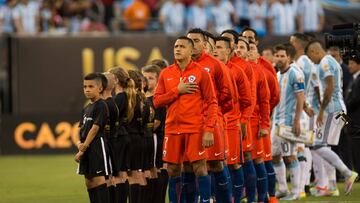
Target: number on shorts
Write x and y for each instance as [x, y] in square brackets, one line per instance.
[319, 134]
[285, 147]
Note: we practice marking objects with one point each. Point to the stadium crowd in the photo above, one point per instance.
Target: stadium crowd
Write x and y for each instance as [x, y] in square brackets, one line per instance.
[222, 123]
[267, 17]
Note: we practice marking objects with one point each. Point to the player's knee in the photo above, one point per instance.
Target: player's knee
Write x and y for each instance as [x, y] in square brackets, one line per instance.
[289, 159]
[258, 160]
[216, 166]
[247, 156]
[174, 170]
[200, 168]
[276, 159]
[187, 167]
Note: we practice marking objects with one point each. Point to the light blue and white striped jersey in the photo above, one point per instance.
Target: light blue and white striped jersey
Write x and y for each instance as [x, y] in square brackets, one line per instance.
[290, 83]
[311, 81]
[330, 67]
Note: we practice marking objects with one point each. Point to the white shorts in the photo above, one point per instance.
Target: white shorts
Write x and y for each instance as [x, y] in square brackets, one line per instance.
[329, 133]
[282, 146]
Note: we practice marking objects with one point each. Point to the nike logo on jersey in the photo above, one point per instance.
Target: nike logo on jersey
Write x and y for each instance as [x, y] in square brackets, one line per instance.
[201, 153]
[258, 153]
[249, 145]
[217, 154]
[267, 155]
[233, 159]
[97, 172]
[170, 79]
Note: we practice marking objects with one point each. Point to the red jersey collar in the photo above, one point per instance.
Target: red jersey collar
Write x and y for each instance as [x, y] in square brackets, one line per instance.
[189, 66]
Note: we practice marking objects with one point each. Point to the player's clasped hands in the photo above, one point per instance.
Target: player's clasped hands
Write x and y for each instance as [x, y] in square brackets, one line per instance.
[207, 139]
[187, 88]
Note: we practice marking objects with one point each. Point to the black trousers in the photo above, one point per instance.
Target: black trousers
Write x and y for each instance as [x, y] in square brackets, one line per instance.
[354, 132]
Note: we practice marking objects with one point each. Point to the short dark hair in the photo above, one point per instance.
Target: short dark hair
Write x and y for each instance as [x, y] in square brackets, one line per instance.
[208, 35]
[247, 28]
[162, 63]
[233, 33]
[287, 47]
[303, 39]
[311, 43]
[197, 31]
[98, 77]
[152, 69]
[245, 41]
[186, 38]
[225, 39]
[355, 56]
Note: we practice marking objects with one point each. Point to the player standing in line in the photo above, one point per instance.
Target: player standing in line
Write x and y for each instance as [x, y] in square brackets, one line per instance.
[185, 88]
[270, 74]
[299, 41]
[151, 73]
[260, 122]
[222, 84]
[241, 102]
[240, 59]
[288, 112]
[93, 152]
[328, 120]
[111, 133]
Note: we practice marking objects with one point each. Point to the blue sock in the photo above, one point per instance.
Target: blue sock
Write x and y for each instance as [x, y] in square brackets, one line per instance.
[188, 192]
[262, 184]
[228, 174]
[223, 193]
[250, 181]
[212, 180]
[238, 184]
[174, 187]
[204, 188]
[271, 178]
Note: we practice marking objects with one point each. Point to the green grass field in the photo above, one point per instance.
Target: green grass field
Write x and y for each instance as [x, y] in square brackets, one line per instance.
[52, 179]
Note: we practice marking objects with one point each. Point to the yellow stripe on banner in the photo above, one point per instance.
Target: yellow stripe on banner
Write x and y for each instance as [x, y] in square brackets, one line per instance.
[88, 61]
[108, 58]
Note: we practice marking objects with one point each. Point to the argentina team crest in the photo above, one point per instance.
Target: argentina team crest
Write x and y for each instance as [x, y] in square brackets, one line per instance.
[191, 78]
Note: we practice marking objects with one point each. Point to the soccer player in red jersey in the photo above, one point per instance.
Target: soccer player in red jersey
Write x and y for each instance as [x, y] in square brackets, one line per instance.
[241, 101]
[184, 88]
[270, 75]
[223, 88]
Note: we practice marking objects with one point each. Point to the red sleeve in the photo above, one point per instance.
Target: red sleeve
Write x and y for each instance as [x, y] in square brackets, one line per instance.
[263, 96]
[223, 83]
[209, 97]
[274, 91]
[244, 92]
[161, 97]
[252, 82]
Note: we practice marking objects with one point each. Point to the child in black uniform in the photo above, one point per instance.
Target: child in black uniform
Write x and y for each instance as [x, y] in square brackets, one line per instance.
[125, 99]
[93, 153]
[157, 124]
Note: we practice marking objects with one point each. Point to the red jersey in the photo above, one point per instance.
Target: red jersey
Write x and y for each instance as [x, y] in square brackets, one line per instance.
[185, 112]
[249, 72]
[272, 82]
[242, 92]
[221, 80]
[262, 105]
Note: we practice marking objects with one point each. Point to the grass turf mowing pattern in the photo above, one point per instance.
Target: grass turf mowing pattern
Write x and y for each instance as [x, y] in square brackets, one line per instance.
[53, 179]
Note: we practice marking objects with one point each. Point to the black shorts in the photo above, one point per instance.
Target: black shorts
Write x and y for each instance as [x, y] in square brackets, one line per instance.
[148, 155]
[119, 154]
[136, 152]
[159, 150]
[95, 161]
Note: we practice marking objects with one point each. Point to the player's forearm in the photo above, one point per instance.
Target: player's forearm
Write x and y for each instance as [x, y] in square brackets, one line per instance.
[91, 135]
[161, 100]
[300, 100]
[327, 93]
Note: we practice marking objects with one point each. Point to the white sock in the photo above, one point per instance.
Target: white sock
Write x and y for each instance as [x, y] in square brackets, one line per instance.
[280, 171]
[294, 170]
[303, 174]
[331, 173]
[333, 159]
[319, 170]
[308, 157]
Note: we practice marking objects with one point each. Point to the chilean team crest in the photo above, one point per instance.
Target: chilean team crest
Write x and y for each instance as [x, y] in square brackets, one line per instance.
[191, 78]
